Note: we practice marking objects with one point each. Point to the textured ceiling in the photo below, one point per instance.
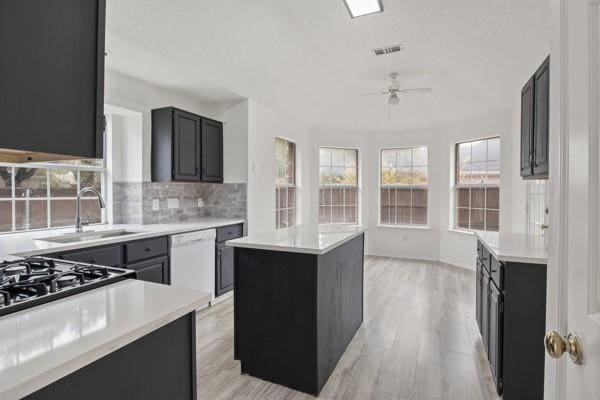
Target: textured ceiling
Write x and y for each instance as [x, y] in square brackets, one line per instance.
[309, 59]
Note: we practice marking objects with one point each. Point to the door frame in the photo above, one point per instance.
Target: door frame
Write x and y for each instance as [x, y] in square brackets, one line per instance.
[558, 256]
[556, 308]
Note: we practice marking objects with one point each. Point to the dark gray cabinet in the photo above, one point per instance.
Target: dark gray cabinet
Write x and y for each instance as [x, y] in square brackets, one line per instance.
[148, 257]
[154, 270]
[212, 151]
[296, 313]
[186, 147]
[535, 123]
[224, 268]
[511, 315]
[187, 129]
[541, 126]
[52, 78]
[527, 128]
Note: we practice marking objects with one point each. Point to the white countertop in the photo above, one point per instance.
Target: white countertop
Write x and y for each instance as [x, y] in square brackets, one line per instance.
[515, 247]
[42, 344]
[26, 243]
[312, 239]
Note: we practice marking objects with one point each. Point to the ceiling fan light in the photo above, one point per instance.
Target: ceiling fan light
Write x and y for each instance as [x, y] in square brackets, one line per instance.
[394, 99]
[358, 8]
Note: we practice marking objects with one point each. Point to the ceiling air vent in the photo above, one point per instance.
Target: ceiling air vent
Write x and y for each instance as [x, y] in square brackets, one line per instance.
[387, 49]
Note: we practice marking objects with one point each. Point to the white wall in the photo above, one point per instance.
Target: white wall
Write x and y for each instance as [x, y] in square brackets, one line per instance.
[438, 241]
[132, 94]
[263, 127]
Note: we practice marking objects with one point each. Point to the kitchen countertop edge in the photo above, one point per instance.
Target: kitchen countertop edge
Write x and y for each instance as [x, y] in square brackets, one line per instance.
[34, 383]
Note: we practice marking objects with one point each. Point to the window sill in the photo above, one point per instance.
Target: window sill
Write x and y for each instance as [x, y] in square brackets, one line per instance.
[461, 231]
[405, 226]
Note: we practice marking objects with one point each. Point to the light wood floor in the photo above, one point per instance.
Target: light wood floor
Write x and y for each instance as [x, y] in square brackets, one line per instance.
[419, 340]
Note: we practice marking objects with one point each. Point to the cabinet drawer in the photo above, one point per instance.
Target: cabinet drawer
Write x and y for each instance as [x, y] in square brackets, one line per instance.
[230, 232]
[497, 272]
[107, 256]
[146, 249]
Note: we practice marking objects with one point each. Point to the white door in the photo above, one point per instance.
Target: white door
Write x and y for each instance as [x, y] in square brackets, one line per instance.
[574, 242]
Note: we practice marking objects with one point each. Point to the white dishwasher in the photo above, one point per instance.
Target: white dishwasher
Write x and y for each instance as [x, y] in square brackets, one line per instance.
[193, 261]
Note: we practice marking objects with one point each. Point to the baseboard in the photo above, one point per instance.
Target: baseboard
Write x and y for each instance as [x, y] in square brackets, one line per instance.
[470, 268]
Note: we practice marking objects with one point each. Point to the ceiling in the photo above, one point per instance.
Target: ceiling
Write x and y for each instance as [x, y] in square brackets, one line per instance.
[310, 60]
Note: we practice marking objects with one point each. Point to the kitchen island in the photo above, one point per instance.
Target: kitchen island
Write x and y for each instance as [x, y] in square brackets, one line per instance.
[298, 302]
[128, 340]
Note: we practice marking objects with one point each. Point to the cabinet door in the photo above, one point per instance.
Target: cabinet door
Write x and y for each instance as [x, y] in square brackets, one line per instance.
[527, 120]
[224, 272]
[485, 307]
[186, 150]
[154, 270]
[212, 151]
[541, 124]
[496, 331]
[478, 282]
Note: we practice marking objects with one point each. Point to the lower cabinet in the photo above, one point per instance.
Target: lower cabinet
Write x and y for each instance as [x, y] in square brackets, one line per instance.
[224, 257]
[153, 270]
[224, 272]
[496, 329]
[511, 315]
[148, 257]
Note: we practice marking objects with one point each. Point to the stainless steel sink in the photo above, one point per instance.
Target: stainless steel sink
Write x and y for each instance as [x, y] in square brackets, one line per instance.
[87, 236]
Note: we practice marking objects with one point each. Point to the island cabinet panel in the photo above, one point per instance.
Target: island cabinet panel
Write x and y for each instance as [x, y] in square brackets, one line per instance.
[158, 366]
[296, 313]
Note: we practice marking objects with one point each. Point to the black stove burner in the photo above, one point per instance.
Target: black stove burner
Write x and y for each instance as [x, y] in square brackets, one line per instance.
[16, 270]
[35, 280]
[91, 272]
[18, 292]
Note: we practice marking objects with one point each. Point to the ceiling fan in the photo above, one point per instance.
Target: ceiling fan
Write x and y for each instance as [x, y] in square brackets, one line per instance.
[395, 90]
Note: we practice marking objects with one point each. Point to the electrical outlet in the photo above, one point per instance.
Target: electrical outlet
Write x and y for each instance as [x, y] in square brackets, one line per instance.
[200, 202]
[155, 205]
[173, 203]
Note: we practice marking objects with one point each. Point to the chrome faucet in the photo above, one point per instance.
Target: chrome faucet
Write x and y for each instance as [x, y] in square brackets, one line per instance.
[101, 204]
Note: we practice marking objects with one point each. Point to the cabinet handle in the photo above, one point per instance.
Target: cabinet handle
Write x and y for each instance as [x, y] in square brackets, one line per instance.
[92, 261]
[147, 249]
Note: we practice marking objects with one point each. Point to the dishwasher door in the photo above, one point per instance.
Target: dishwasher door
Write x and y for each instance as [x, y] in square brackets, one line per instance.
[193, 261]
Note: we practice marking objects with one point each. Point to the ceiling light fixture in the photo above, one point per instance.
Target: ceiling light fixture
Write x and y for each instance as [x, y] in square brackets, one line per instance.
[358, 8]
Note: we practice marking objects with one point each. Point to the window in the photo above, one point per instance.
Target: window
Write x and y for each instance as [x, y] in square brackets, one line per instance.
[338, 190]
[285, 184]
[477, 185]
[40, 196]
[403, 186]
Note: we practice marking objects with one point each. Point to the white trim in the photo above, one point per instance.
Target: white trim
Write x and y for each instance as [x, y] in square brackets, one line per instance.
[404, 226]
[594, 164]
[461, 231]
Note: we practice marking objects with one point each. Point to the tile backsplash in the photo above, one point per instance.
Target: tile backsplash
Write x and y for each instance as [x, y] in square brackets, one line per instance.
[133, 201]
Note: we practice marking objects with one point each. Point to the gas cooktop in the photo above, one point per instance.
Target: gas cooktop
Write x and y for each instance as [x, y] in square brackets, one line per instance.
[35, 280]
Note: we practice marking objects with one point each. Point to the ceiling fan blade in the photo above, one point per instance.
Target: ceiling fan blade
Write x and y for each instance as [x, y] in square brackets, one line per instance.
[416, 90]
[373, 93]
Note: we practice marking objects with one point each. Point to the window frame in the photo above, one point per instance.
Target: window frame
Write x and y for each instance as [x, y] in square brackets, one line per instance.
[380, 186]
[287, 186]
[357, 186]
[454, 186]
[78, 168]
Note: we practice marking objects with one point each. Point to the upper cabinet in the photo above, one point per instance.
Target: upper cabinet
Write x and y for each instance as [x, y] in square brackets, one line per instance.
[186, 147]
[212, 151]
[535, 117]
[51, 79]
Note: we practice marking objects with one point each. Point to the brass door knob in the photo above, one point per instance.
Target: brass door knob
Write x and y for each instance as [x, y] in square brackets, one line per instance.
[556, 346]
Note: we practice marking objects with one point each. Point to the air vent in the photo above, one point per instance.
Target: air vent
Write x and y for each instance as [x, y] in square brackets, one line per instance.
[387, 49]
